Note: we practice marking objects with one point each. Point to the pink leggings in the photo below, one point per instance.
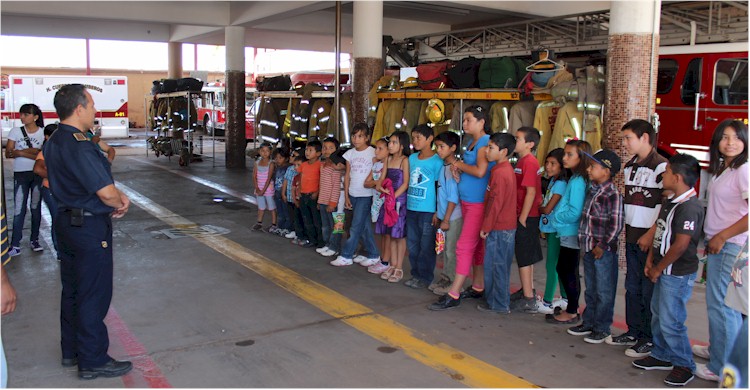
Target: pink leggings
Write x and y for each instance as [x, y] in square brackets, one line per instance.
[470, 247]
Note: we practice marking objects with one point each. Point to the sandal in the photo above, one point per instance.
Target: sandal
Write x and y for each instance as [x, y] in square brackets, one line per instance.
[550, 318]
[387, 274]
[398, 274]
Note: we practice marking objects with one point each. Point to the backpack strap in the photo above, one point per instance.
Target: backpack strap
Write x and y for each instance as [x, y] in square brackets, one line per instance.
[26, 137]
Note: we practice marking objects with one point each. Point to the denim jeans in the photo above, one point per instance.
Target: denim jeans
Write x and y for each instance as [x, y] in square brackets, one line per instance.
[600, 276]
[498, 256]
[669, 311]
[311, 220]
[723, 321]
[361, 229]
[420, 240]
[26, 185]
[283, 221]
[51, 203]
[332, 241]
[638, 292]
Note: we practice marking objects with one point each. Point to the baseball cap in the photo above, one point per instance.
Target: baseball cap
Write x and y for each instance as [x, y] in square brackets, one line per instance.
[608, 159]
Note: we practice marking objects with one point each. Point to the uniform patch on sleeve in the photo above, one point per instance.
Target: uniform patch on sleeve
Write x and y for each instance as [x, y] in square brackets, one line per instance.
[80, 137]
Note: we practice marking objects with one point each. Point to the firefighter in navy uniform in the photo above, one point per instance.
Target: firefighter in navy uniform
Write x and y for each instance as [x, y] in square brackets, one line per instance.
[81, 180]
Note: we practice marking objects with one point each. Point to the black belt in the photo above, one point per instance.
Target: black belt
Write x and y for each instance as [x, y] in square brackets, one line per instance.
[85, 213]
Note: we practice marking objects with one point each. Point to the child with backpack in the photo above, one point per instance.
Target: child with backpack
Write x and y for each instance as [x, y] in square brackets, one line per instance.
[358, 198]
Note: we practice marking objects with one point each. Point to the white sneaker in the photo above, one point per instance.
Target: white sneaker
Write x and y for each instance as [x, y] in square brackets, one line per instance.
[359, 258]
[378, 268]
[291, 235]
[562, 303]
[545, 308]
[321, 250]
[327, 252]
[341, 261]
[701, 351]
[702, 371]
[370, 261]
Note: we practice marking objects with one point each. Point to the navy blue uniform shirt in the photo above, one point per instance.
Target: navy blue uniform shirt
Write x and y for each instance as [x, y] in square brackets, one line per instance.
[76, 170]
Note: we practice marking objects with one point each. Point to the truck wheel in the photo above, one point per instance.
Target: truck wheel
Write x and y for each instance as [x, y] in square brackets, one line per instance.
[208, 125]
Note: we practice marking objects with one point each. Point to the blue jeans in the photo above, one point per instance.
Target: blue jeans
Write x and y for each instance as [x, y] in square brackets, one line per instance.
[51, 203]
[420, 240]
[26, 185]
[361, 229]
[498, 256]
[332, 240]
[600, 276]
[723, 321]
[638, 292]
[668, 314]
[282, 212]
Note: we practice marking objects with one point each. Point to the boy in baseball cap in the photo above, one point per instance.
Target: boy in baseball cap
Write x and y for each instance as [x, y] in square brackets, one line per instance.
[601, 223]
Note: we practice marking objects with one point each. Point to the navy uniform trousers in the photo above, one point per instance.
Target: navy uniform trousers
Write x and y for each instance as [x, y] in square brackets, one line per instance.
[86, 272]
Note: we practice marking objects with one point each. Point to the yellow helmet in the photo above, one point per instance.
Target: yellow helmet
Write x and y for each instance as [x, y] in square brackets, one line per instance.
[435, 108]
[410, 82]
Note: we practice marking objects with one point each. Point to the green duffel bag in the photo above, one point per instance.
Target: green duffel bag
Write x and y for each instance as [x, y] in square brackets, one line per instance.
[501, 72]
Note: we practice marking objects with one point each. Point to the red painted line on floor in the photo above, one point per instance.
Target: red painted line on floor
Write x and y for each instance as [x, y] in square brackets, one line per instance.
[145, 372]
[618, 320]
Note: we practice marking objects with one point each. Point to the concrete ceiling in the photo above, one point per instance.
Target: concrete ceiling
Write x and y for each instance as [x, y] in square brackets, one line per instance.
[302, 25]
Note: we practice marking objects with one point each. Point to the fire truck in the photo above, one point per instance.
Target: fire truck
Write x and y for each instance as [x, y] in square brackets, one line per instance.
[110, 95]
[212, 115]
[698, 87]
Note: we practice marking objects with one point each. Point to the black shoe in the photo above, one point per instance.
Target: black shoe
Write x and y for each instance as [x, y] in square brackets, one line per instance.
[580, 330]
[651, 363]
[680, 376]
[641, 349]
[258, 227]
[418, 284]
[470, 293]
[444, 303]
[519, 294]
[623, 339]
[309, 245]
[69, 362]
[112, 369]
[485, 307]
[597, 337]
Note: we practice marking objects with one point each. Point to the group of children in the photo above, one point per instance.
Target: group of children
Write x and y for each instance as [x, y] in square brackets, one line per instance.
[484, 211]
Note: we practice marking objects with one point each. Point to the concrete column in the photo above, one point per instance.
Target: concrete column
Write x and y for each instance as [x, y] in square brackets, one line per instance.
[234, 39]
[174, 60]
[367, 56]
[632, 61]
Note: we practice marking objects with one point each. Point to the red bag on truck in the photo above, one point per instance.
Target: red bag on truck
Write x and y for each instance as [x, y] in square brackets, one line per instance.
[433, 75]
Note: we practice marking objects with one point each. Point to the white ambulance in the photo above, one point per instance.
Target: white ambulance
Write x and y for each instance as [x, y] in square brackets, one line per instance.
[110, 95]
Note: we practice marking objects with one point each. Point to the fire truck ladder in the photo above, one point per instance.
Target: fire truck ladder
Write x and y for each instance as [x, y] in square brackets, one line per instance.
[682, 22]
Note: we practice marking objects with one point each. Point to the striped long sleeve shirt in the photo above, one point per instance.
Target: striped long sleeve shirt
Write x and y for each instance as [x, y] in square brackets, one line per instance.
[602, 219]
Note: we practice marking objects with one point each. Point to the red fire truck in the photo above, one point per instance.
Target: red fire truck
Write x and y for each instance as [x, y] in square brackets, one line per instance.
[697, 88]
[212, 115]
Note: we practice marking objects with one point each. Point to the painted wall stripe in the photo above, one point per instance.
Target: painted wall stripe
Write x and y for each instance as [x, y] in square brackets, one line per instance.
[459, 365]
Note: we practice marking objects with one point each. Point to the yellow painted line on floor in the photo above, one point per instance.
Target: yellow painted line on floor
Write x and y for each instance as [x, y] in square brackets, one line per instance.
[459, 365]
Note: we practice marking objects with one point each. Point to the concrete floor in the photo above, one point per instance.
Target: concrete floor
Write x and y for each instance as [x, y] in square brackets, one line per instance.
[217, 311]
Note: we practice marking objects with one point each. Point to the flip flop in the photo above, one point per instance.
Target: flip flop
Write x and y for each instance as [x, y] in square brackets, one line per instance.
[552, 320]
